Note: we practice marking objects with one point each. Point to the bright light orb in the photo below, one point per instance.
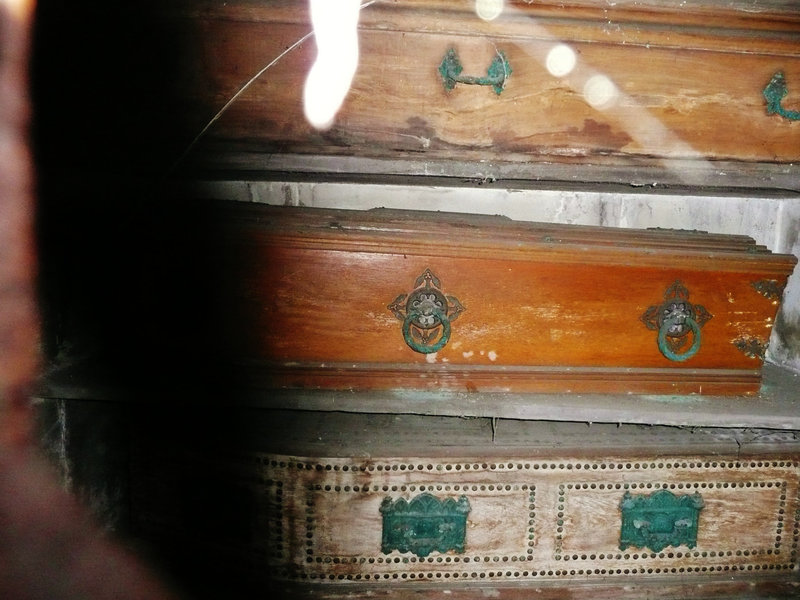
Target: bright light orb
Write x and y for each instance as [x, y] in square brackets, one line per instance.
[600, 92]
[488, 10]
[560, 60]
[336, 33]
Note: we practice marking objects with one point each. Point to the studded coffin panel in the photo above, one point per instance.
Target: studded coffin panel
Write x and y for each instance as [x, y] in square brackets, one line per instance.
[533, 519]
[345, 498]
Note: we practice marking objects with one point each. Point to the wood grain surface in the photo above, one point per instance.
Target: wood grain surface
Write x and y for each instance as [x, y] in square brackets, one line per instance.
[295, 498]
[545, 508]
[532, 519]
[306, 293]
[685, 84]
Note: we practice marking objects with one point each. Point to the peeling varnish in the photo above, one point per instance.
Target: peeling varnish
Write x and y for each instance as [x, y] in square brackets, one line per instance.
[544, 312]
[384, 320]
[491, 354]
[747, 328]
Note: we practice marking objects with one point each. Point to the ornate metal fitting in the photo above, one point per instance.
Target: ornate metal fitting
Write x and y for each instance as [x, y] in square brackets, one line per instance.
[674, 319]
[424, 524]
[769, 288]
[774, 93]
[659, 520]
[426, 314]
[498, 73]
[751, 347]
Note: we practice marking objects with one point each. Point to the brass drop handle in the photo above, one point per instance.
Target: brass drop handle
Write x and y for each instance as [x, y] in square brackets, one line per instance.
[496, 76]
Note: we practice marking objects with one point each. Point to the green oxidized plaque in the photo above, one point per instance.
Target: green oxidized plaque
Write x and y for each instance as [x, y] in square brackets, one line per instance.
[424, 524]
[660, 519]
[496, 76]
[774, 93]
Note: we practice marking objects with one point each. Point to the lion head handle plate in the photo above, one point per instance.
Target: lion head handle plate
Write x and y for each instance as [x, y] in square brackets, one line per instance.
[678, 323]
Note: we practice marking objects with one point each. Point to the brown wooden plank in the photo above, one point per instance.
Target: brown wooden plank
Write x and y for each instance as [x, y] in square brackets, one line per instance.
[755, 588]
[682, 76]
[361, 435]
[305, 293]
[774, 406]
[601, 173]
[668, 105]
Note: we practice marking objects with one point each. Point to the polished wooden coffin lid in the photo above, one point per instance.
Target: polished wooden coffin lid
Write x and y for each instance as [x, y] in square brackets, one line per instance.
[313, 299]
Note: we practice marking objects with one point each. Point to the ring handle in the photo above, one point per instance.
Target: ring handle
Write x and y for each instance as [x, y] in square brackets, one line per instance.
[497, 74]
[774, 94]
[421, 347]
[663, 332]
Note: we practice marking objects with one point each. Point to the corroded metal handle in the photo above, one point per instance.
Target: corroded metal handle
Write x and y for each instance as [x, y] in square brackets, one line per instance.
[426, 314]
[430, 318]
[774, 94]
[498, 73]
[660, 519]
[667, 327]
[424, 524]
[674, 320]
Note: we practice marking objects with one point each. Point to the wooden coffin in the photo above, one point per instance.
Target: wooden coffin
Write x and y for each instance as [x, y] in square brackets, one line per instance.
[383, 299]
[632, 89]
[384, 500]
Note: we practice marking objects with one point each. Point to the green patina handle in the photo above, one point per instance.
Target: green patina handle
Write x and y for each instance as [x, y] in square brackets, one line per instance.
[660, 519]
[774, 94]
[425, 524]
[420, 347]
[663, 345]
[450, 70]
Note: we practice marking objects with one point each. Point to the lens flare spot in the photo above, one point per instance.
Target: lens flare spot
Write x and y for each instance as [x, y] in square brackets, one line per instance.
[336, 33]
[560, 60]
[600, 92]
[488, 10]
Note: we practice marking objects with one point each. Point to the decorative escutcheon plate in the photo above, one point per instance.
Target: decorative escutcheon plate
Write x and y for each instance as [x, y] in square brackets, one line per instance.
[496, 75]
[424, 524]
[770, 289]
[752, 347]
[659, 520]
[426, 314]
[674, 319]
